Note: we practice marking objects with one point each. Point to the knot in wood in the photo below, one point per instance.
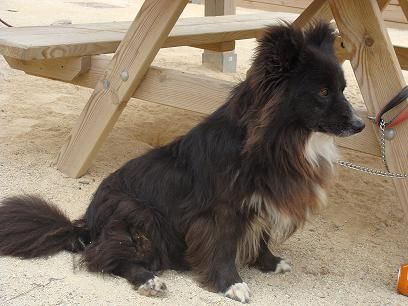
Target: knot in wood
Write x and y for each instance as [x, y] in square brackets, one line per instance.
[369, 41]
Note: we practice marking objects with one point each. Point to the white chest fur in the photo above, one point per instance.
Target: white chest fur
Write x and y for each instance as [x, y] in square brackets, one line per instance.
[321, 146]
[271, 224]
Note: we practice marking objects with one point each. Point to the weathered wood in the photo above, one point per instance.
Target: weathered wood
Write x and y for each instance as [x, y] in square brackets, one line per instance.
[402, 55]
[318, 10]
[219, 47]
[168, 87]
[404, 7]
[64, 69]
[392, 14]
[195, 93]
[29, 43]
[395, 14]
[383, 4]
[377, 71]
[219, 7]
[222, 61]
[401, 52]
[146, 35]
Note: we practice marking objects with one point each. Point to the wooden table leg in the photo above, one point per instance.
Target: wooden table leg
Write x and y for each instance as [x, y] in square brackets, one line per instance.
[377, 71]
[132, 59]
[223, 61]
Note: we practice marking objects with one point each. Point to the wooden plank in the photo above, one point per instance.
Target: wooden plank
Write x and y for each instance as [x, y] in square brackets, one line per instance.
[168, 87]
[392, 14]
[146, 35]
[225, 62]
[402, 55]
[300, 4]
[28, 43]
[395, 14]
[281, 7]
[196, 93]
[404, 7]
[383, 4]
[219, 47]
[219, 7]
[377, 71]
[64, 69]
[342, 53]
[318, 10]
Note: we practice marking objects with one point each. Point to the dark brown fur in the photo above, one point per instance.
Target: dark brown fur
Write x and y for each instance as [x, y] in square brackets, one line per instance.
[248, 175]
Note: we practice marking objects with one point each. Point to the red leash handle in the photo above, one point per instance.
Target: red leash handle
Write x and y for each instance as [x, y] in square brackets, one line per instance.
[397, 100]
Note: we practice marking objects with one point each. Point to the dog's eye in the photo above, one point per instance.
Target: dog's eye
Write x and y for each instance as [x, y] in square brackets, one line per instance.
[323, 92]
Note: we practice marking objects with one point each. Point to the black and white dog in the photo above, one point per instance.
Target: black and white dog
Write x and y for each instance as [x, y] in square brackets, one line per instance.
[221, 195]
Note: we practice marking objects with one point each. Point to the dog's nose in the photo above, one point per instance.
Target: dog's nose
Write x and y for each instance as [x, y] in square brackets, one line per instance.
[357, 124]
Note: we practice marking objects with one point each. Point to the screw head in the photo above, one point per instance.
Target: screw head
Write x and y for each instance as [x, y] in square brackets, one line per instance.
[124, 75]
[106, 84]
[389, 133]
[369, 41]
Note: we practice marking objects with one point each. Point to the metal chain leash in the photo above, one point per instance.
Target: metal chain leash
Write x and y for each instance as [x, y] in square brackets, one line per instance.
[373, 171]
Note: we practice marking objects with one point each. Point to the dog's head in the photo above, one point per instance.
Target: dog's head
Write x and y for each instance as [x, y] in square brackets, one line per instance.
[304, 66]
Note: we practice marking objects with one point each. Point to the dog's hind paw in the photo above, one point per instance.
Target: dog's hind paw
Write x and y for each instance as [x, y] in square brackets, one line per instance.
[283, 267]
[153, 287]
[239, 292]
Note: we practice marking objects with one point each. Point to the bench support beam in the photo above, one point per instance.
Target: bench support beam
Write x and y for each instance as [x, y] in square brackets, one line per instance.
[226, 60]
[377, 72]
[64, 69]
[202, 95]
[132, 59]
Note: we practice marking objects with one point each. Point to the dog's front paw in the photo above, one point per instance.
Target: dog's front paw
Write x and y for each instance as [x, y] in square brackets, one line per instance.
[239, 292]
[283, 267]
[153, 287]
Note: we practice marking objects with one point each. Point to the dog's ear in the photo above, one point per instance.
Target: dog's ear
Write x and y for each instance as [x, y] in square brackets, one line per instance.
[321, 36]
[279, 48]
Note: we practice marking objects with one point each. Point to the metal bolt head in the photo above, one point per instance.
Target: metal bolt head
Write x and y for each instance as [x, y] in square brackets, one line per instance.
[389, 133]
[106, 84]
[369, 41]
[124, 75]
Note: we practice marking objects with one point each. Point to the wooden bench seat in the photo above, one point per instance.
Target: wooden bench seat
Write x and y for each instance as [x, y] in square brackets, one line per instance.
[393, 14]
[63, 52]
[73, 40]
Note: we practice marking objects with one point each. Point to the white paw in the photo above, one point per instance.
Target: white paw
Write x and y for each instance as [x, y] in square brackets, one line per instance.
[283, 267]
[239, 292]
[153, 287]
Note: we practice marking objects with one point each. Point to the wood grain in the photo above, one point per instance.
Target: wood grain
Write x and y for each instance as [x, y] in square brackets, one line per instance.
[218, 47]
[29, 43]
[318, 10]
[146, 35]
[219, 8]
[168, 87]
[377, 71]
[393, 14]
[64, 69]
[404, 6]
[402, 55]
[196, 93]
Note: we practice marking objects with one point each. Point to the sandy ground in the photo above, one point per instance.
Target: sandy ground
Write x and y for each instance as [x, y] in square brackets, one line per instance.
[347, 255]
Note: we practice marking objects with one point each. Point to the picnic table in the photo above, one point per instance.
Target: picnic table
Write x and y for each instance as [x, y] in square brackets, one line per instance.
[76, 54]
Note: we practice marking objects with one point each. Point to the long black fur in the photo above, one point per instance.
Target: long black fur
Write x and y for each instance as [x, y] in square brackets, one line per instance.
[218, 194]
[31, 227]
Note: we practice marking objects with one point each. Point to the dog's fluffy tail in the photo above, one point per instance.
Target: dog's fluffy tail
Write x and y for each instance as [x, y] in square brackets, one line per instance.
[31, 227]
